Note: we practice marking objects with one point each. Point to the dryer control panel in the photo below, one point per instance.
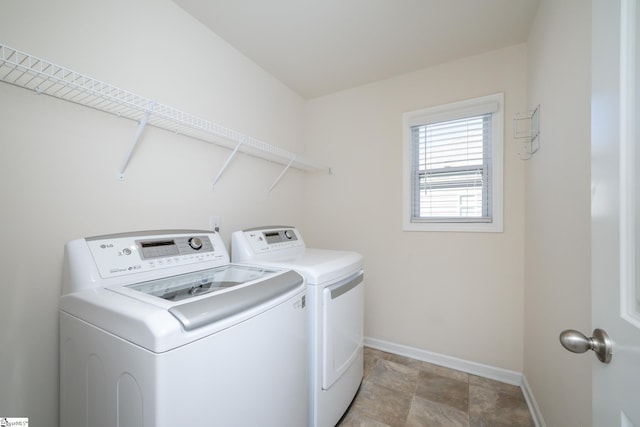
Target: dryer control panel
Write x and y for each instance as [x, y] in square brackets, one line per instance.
[267, 239]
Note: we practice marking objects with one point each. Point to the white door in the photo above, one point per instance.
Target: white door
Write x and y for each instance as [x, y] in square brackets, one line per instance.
[615, 216]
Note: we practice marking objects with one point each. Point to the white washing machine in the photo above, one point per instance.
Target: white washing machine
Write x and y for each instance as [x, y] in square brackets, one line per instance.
[157, 329]
[335, 295]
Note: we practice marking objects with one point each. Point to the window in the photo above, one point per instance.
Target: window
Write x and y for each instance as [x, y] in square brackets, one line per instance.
[453, 167]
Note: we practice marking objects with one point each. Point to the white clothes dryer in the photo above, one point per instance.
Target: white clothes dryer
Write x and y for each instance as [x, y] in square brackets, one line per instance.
[335, 295]
[158, 329]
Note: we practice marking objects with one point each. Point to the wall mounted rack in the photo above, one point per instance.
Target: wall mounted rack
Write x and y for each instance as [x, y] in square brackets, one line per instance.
[27, 71]
[526, 127]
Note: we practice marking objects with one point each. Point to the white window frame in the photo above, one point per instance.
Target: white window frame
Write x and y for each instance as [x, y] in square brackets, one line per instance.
[457, 110]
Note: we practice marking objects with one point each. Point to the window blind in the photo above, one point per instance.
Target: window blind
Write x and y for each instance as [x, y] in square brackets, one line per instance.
[451, 170]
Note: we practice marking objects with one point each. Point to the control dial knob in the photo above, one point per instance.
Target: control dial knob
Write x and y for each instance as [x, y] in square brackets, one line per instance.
[288, 234]
[195, 243]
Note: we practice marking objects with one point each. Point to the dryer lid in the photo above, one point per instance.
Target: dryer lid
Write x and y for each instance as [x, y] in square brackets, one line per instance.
[318, 266]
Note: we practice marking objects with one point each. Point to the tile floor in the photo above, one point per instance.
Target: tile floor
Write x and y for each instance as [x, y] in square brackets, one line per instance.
[400, 392]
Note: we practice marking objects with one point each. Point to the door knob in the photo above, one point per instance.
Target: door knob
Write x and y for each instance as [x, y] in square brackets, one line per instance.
[577, 342]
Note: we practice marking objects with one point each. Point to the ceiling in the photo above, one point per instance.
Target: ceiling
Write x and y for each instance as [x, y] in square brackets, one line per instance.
[317, 47]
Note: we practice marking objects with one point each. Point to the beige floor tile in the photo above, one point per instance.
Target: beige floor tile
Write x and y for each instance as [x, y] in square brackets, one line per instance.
[424, 412]
[394, 376]
[403, 360]
[371, 357]
[355, 419]
[498, 386]
[445, 372]
[444, 390]
[489, 407]
[383, 404]
[401, 392]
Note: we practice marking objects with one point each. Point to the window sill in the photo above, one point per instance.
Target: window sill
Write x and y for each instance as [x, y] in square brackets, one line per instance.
[468, 227]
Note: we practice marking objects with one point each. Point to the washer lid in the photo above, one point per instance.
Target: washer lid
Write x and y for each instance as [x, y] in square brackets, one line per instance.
[205, 297]
[201, 312]
[193, 285]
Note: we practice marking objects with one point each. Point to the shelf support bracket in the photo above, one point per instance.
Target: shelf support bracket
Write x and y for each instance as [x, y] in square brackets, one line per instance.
[530, 133]
[141, 125]
[226, 163]
[277, 180]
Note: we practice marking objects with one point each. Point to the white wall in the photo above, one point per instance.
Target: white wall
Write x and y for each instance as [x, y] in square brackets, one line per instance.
[459, 294]
[557, 268]
[59, 161]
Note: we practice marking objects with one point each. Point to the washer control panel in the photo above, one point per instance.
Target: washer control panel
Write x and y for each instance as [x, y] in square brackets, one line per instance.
[267, 239]
[127, 253]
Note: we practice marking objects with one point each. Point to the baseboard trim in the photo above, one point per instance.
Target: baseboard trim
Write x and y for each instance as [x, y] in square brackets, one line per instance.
[479, 369]
[498, 374]
[532, 404]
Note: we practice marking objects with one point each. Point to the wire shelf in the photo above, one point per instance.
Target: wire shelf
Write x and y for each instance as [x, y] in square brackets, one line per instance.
[43, 77]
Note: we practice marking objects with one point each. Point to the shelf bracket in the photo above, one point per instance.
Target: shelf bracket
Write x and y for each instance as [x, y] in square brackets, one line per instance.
[277, 180]
[141, 125]
[529, 132]
[226, 163]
